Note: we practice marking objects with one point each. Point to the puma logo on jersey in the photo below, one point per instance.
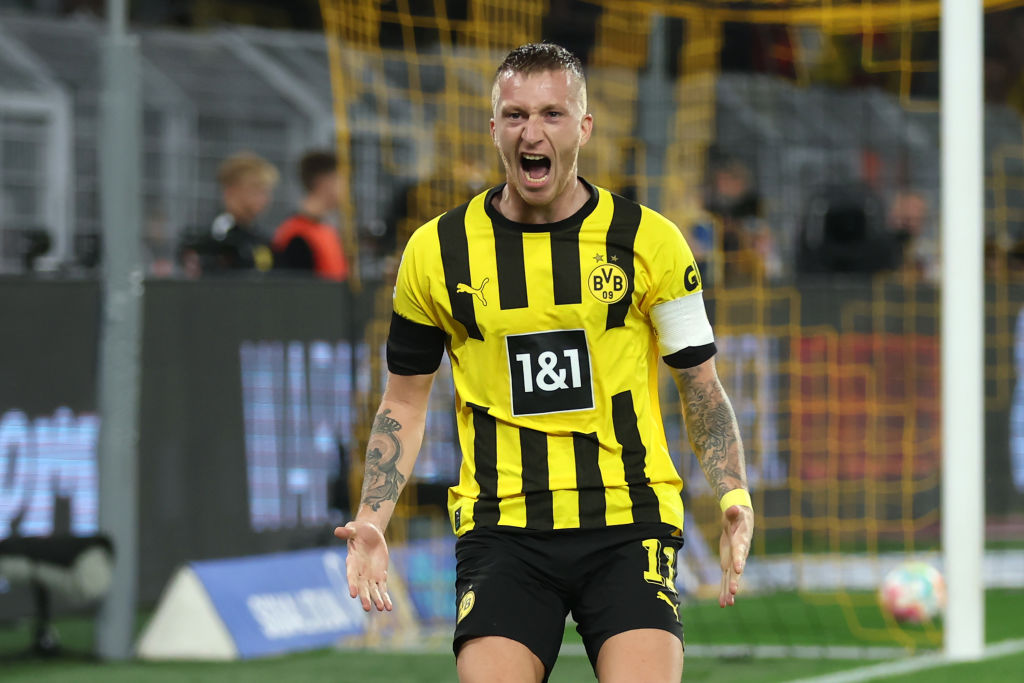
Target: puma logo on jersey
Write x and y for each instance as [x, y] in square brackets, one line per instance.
[478, 292]
[674, 606]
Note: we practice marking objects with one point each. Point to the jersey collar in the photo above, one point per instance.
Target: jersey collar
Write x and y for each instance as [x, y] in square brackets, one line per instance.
[572, 221]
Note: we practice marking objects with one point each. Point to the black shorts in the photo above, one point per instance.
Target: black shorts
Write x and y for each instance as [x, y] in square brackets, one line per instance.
[521, 584]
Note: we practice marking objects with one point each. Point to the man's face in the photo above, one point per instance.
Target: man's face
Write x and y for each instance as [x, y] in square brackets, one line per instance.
[328, 187]
[249, 197]
[538, 127]
[908, 214]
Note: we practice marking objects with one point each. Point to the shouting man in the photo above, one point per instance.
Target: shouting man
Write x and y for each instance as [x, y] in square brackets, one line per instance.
[554, 299]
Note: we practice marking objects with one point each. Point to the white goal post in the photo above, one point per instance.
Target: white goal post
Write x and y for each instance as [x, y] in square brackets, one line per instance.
[963, 325]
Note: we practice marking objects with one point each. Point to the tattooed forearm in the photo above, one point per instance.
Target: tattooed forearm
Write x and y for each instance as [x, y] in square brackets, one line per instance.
[382, 480]
[711, 426]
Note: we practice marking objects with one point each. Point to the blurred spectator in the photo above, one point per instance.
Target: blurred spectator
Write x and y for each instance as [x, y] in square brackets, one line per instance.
[757, 48]
[28, 245]
[917, 255]
[158, 245]
[232, 241]
[749, 249]
[1002, 261]
[684, 205]
[1015, 260]
[456, 179]
[306, 242]
[844, 231]
[573, 25]
[1004, 58]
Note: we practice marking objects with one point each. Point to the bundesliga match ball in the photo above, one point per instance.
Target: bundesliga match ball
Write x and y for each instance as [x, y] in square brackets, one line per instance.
[913, 593]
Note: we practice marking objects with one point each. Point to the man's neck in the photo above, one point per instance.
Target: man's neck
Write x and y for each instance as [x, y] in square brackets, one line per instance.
[512, 206]
[312, 206]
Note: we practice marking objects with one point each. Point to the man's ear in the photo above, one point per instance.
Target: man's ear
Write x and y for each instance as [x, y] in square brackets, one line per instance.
[493, 139]
[586, 126]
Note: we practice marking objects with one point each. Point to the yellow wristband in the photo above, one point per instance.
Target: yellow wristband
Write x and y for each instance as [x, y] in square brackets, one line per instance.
[736, 497]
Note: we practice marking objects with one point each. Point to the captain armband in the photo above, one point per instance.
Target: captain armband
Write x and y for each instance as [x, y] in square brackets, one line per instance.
[685, 338]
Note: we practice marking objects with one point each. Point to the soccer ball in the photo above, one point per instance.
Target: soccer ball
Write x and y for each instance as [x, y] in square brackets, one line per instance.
[913, 593]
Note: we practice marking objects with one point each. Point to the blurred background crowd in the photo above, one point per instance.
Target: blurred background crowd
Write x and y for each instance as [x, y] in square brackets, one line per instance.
[240, 176]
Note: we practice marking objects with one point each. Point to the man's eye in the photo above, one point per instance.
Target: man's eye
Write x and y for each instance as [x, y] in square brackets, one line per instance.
[514, 115]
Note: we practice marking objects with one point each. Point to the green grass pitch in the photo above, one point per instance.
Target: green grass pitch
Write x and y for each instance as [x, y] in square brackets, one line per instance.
[780, 619]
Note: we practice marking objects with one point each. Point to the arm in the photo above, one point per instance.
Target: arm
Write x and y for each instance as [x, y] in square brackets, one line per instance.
[415, 347]
[394, 444]
[391, 452]
[711, 427]
[714, 436]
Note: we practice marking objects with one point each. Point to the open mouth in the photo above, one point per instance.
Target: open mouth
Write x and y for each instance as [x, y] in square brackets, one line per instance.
[535, 168]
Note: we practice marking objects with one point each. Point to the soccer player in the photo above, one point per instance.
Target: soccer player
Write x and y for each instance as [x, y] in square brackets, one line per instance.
[554, 299]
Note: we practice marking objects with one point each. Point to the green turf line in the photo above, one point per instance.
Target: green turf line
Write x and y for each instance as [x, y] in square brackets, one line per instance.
[779, 619]
[1009, 669]
[365, 667]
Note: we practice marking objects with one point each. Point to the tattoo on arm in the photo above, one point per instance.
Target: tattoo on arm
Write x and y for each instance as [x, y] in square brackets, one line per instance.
[383, 481]
[711, 426]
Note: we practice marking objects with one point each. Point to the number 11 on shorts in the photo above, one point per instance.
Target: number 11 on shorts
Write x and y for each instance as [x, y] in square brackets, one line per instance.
[653, 573]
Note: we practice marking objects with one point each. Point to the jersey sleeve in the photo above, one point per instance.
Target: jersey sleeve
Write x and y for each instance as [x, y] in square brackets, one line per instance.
[415, 343]
[676, 301]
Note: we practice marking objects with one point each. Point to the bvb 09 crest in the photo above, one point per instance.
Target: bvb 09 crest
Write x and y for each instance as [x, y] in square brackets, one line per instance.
[607, 283]
[466, 605]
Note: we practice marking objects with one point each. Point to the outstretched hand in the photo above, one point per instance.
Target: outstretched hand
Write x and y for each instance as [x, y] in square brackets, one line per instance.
[366, 564]
[737, 530]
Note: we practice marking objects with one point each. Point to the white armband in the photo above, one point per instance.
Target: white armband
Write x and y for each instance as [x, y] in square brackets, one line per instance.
[682, 323]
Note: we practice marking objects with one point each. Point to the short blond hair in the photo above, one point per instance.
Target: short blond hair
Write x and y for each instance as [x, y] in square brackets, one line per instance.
[238, 167]
[534, 58]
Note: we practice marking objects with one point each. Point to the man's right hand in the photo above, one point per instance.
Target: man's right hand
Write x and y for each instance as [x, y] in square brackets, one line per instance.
[733, 547]
[366, 564]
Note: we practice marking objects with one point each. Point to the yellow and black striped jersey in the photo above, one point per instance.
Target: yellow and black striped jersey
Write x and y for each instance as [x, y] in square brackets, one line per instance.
[554, 355]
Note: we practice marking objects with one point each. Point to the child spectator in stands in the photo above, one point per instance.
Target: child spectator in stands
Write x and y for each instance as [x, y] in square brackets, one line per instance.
[908, 224]
[306, 242]
[233, 241]
[749, 249]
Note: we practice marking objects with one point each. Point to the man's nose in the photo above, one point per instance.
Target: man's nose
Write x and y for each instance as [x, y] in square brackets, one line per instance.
[532, 130]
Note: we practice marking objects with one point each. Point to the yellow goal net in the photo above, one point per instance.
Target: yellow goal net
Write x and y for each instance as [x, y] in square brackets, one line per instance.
[795, 143]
